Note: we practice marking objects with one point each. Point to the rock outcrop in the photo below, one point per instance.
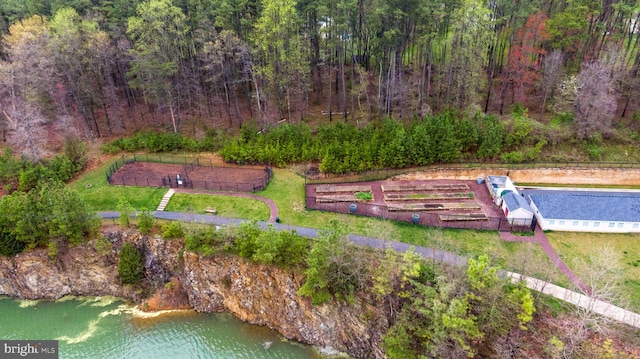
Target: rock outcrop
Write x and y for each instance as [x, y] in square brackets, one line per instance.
[258, 294]
[267, 295]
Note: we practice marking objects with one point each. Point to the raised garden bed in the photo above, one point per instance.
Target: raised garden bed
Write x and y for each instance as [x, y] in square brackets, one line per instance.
[413, 207]
[428, 196]
[423, 187]
[463, 217]
[332, 198]
[331, 188]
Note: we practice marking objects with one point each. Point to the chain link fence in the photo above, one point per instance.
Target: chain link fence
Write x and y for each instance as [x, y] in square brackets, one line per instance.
[181, 176]
[439, 219]
[384, 173]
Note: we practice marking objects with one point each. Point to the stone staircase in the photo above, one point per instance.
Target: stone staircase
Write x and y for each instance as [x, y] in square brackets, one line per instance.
[165, 200]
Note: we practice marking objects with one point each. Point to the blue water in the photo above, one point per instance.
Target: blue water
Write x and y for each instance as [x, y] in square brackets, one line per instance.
[108, 328]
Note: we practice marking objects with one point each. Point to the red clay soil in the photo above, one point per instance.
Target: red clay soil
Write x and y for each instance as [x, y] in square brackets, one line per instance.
[378, 206]
[217, 178]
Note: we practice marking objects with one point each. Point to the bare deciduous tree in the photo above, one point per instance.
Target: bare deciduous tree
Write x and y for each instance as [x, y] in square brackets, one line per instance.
[26, 85]
[595, 103]
[26, 130]
[551, 75]
[223, 60]
[601, 271]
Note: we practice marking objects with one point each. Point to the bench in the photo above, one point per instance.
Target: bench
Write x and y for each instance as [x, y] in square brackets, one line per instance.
[211, 210]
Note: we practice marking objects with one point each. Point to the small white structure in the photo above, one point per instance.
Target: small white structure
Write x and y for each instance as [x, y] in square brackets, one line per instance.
[586, 211]
[499, 186]
[517, 209]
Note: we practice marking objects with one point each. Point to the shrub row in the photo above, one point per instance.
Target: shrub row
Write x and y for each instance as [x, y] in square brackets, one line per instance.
[343, 148]
[282, 248]
[150, 141]
[47, 216]
[28, 175]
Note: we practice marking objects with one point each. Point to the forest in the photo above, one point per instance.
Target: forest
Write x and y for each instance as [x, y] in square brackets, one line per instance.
[106, 68]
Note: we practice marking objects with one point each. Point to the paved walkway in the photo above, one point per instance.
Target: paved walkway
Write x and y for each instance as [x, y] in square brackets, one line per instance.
[592, 304]
[555, 259]
[603, 308]
[273, 209]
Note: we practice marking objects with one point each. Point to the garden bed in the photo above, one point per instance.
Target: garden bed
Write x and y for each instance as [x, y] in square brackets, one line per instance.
[423, 187]
[330, 188]
[463, 217]
[427, 196]
[338, 198]
[414, 207]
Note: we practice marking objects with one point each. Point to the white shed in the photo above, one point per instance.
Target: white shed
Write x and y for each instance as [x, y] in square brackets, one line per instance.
[517, 209]
[498, 186]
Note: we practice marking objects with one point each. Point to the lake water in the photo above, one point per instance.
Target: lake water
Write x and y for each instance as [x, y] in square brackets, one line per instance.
[108, 328]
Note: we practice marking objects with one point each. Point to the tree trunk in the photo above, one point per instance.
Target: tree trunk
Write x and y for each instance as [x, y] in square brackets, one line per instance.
[344, 84]
[173, 118]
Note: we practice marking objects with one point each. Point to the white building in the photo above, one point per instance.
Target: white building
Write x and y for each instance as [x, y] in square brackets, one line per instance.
[517, 209]
[498, 186]
[586, 211]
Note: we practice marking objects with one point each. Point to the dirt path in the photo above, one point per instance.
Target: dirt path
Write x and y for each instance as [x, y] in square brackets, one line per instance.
[273, 208]
[609, 176]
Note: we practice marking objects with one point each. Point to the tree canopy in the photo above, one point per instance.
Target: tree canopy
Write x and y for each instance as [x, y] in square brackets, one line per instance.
[101, 67]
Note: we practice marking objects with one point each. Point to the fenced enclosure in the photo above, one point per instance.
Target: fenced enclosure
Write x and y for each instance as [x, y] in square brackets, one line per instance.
[159, 170]
[440, 219]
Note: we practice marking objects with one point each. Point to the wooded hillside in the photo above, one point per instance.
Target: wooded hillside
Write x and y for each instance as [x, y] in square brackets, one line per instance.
[106, 67]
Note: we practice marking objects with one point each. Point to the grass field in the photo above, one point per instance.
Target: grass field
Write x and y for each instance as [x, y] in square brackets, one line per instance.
[574, 246]
[93, 187]
[225, 206]
[286, 189]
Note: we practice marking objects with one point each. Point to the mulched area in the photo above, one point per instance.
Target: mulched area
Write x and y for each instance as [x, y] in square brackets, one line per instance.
[214, 178]
[378, 207]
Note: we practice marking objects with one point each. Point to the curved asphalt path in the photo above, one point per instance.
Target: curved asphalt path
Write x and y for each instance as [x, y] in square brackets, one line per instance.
[603, 308]
[434, 254]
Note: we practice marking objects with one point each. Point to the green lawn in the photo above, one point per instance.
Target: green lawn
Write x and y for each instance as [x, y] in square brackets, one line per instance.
[103, 197]
[286, 189]
[572, 246]
[226, 206]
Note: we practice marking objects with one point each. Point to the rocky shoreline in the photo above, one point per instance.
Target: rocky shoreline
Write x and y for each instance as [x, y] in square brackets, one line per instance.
[257, 294]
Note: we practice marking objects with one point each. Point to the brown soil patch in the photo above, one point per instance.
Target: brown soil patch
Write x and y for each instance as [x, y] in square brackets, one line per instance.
[214, 178]
[171, 296]
[485, 216]
[610, 176]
